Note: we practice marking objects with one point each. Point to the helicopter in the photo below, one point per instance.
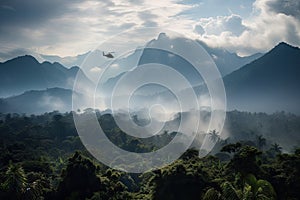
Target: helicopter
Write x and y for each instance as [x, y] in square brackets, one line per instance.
[108, 55]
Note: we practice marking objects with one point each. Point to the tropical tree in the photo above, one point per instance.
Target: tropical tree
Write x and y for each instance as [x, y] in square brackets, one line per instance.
[227, 191]
[253, 189]
[212, 194]
[276, 148]
[245, 160]
[259, 189]
[214, 136]
[38, 185]
[79, 180]
[261, 142]
[184, 179]
[15, 182]
[231, 148]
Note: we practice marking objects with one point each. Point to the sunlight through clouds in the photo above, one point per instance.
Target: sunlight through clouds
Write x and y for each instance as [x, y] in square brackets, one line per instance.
[69, 28]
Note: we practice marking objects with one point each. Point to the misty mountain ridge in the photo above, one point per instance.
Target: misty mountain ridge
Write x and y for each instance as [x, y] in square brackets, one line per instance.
[267, 84]
[270, 83]
[26, 73]
[225, 61]
[68, 61]
[39, 101]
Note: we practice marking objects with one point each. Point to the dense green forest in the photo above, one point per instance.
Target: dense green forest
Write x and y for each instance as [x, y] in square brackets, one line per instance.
[42, 157]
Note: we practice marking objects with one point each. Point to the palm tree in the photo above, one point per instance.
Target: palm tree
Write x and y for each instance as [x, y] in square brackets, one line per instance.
[259, 189]
[261, 142]
[276, 148]
[212, 194]
[35, 189]
[214, 136]
[227, 192]
[15, 183]
[252, 190]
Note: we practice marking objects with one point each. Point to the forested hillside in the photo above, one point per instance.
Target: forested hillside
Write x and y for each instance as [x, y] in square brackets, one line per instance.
[42, 157]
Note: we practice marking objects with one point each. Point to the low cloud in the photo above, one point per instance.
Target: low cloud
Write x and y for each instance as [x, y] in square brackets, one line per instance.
[52, 103]
[95, 69]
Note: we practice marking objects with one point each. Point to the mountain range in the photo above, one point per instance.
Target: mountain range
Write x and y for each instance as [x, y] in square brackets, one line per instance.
[25, 73]
[153, 52]
[268, 83]
[68, 61]
[38, 101]
[225, 61]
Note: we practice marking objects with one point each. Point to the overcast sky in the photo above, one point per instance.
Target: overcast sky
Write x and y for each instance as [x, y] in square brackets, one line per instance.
[65, 27]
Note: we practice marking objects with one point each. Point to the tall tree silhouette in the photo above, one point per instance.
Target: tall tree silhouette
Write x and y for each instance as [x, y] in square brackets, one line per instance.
[79, 180]
[214, 136]
[276, 148]
[261, 142]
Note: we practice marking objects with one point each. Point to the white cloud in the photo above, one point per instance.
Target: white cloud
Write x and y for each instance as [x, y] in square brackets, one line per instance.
[72, 27]
[95, 69]
[220, 24]
[79, 26]
[262, 31]
[115, 65]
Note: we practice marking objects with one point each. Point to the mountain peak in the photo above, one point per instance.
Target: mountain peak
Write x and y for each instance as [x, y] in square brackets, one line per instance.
[274, 76]
[75, 68]
[162, 36]
[26, 59]
[22, 60]
[19, 64]
[284, 46]
[25, 73]
[283, 51]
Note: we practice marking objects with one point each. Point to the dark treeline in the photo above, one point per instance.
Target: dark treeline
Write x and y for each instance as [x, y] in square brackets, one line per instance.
[42, 157]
